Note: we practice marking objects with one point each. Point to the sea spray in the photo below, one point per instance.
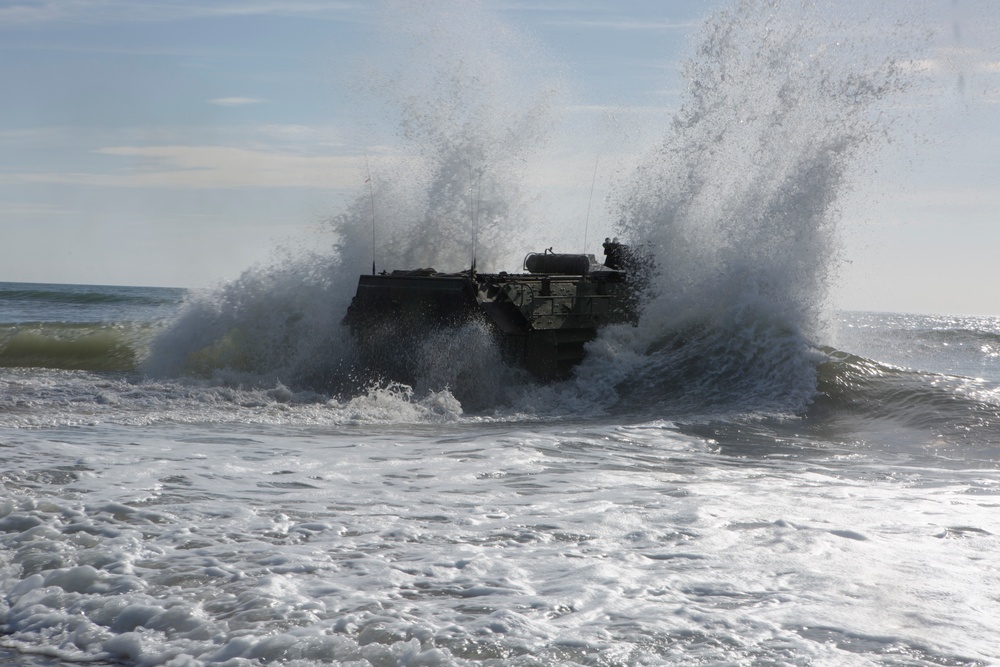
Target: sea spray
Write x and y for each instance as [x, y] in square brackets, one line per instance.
[737, 208]
[275, 323]
[739, 203]
[471, 105]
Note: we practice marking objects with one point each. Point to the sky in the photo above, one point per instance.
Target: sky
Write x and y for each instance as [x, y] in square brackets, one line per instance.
[177, 143]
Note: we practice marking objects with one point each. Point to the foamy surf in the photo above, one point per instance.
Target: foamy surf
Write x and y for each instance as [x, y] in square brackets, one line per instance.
[577, 545]
[718, 485]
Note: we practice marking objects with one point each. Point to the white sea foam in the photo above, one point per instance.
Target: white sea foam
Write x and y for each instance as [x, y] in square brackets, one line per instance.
[610, 544]
[55, 398]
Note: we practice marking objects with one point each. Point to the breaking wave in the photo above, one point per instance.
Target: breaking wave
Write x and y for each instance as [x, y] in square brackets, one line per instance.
[471, 114]
[100, 347]
[856, 386]
[737, 205]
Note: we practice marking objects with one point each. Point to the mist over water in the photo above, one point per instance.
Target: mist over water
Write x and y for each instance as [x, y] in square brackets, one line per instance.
[786, 106]
[475, 103]
[737, 207]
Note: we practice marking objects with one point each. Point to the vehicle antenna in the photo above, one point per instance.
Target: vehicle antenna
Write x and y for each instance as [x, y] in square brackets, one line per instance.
[371, 196]
[586, 224]
[475, 222]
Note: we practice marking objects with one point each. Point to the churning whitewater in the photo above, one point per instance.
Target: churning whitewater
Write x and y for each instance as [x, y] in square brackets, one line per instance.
[215, 477]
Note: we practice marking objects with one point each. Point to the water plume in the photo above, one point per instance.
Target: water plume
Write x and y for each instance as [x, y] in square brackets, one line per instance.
[737, 206]
[739, 202]
[471, 105]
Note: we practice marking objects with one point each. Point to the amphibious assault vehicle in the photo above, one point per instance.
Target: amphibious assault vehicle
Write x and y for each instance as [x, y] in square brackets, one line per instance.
[541, 319]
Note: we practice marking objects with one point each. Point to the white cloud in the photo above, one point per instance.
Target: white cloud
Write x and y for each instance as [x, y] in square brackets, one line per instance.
[211, 167]
[33, 210]
[953, 59]
[288, 130]
[617, 109]
[629, 25]
[27, 12]
[236, 101]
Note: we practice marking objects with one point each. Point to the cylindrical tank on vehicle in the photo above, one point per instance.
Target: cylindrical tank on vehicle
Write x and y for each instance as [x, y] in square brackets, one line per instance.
[577, 265]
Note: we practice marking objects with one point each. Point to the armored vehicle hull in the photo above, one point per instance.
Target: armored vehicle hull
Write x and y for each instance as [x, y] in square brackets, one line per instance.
[541, 319]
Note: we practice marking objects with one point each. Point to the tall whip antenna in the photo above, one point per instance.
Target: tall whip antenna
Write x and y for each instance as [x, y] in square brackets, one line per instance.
[371, 196]
[474, 210]
[586, 224]
[475, 223]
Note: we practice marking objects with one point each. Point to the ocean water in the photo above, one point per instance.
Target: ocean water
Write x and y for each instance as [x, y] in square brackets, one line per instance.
[195, 521]
[214, 477]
